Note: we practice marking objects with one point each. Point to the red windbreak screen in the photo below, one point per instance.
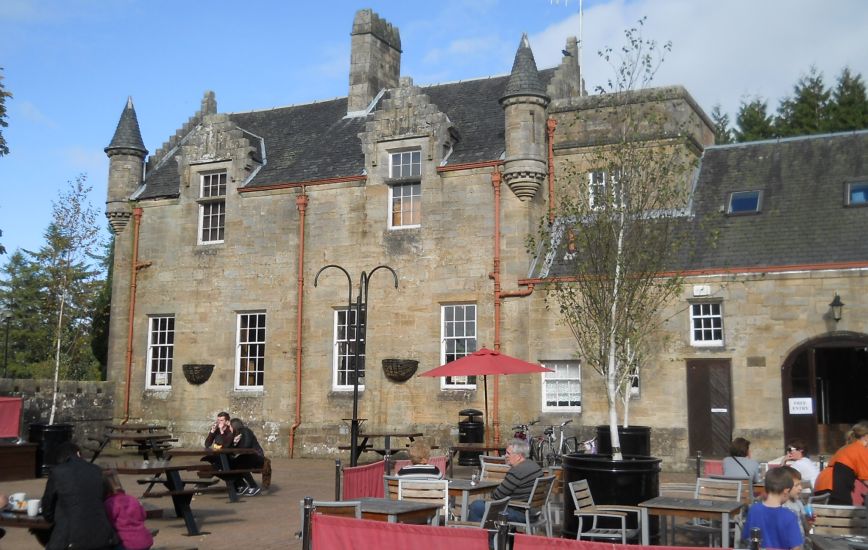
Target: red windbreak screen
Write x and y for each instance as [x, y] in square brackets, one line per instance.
[339, 533]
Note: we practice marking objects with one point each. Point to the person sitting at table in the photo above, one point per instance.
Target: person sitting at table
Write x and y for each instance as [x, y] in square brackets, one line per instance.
[797, 457]
[126, 515]
[847, 471]
[794, 502]
[779, 527]
[220, 434]
[246, 439]
[73, 500]
[739, 464]
[517, 484]
[420, 452]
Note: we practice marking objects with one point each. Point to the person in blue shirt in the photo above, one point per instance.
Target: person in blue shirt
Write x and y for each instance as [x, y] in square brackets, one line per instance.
[779, 526]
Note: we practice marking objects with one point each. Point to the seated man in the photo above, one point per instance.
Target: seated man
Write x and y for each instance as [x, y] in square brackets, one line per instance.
[517, 484]
[779, 527]
[221, 432]
[420, 452]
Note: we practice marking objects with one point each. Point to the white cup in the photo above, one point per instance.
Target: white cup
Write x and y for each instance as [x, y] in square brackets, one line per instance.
[17, 497]
[33, 507]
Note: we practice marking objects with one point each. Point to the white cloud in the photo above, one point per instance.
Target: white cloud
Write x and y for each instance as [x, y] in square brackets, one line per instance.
[91, 161]
[29, 112]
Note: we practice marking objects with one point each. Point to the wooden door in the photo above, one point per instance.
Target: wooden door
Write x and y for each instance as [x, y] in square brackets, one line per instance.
[709, 406]
[799, 381]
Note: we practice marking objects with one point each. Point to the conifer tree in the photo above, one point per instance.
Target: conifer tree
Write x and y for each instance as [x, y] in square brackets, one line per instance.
[753, 121]
[807, 112]
[722, 131]
[4, 149]
[849, 105]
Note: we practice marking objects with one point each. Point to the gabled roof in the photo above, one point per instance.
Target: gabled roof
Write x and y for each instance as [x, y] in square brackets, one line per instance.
[316, 141]
[803, 222]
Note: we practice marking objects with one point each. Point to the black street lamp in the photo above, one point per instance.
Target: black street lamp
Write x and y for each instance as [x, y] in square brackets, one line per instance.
[360, 307]
[6, 317]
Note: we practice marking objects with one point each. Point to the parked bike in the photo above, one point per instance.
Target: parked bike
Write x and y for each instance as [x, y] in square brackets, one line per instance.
[548, 448]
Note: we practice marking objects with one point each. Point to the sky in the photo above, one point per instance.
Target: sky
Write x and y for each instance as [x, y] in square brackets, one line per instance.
[71, 64]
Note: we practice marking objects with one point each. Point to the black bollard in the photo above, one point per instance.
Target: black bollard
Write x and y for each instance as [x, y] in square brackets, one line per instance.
[305, 523]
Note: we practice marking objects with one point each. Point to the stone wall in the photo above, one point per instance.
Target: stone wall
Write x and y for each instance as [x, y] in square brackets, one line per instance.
[87, 405]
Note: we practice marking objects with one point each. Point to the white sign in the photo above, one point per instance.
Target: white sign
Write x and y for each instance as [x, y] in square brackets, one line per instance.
[161, 379]
[801, 405]
[718, 410]
[701, 290]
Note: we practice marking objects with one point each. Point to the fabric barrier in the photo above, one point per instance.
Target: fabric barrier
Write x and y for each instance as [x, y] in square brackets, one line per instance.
[531, 542]
[363, 481]
[712, 467]
[334, 532]
[10, 416]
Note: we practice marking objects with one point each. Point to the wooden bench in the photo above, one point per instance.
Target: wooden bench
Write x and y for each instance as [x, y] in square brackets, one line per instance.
[185, 492]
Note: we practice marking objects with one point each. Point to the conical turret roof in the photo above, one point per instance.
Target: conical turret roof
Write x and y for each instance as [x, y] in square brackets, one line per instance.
[127, 135]
[524, 79]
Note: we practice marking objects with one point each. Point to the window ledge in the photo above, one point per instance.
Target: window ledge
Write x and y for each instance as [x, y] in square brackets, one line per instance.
[344, 394]
[399, 181]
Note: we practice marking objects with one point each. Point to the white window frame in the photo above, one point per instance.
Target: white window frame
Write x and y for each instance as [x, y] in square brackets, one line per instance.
[706, 322]
[409, 164]
[470, 342]
[735, 194]
[849, 194]
[600, 181]
[560, 377]
[209, 201]
[250, 347]
[410, 200]
[342, 356]
[160, 351]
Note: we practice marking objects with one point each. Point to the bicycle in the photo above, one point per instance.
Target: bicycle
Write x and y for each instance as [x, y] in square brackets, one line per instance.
[548, 449]
[522, 429]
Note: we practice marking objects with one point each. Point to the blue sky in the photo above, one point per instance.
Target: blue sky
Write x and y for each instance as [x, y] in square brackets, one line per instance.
[72, 63]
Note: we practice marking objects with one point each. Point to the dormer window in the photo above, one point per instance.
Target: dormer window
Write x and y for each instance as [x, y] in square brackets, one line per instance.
[857, 193]
[212, 207]
[405, 164]
[745, 202]
[600, 183]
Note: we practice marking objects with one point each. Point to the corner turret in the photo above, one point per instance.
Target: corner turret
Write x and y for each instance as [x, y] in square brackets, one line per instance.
[524, 104]
[126, 154]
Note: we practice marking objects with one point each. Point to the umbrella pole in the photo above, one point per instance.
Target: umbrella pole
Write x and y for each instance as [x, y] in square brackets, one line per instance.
[485, 391]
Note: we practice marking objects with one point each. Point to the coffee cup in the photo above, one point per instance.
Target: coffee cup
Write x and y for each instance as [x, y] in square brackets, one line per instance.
[33, 507]
[17, 497]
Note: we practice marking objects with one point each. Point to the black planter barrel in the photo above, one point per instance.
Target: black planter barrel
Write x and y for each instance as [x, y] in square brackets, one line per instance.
[48, 437]
[471, 430]
[635, 440]
[629, 481]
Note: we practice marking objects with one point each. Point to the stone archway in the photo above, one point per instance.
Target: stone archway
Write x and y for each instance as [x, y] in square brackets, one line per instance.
[824, 387]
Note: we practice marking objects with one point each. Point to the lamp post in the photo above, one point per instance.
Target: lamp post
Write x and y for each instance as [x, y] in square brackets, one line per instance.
[837, 307]
[6, 316]
[360, 307]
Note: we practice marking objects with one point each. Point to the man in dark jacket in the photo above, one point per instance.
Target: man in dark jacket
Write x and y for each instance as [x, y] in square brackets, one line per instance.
[73, 500]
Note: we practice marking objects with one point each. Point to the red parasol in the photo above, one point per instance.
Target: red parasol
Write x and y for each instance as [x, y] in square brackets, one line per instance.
[484, 362]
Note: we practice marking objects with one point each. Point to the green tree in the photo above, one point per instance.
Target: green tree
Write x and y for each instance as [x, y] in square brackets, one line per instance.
[753, 121]
[30, 328]
[722, 131]
[4, 149]
[849, 105]
[102, 311]
[808, 111]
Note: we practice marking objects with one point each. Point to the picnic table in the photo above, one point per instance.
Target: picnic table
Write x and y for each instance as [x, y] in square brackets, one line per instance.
[39, 526]
[387, 449]
[145, 438]
[168, 474]
[720, 510]
[221, 467]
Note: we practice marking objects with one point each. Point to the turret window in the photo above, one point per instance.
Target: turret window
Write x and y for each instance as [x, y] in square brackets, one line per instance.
[212, 207]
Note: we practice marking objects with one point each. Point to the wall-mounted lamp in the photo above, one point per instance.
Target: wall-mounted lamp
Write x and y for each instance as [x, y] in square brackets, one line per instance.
[837, 306]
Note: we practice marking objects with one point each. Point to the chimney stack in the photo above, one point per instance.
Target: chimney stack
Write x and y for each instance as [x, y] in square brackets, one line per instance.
[375, 60]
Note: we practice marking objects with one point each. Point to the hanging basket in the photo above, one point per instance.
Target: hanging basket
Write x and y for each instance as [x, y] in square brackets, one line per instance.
[399, 370]
[197, 374]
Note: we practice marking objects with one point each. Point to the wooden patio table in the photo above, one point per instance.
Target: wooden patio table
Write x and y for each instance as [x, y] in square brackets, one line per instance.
[720, 510]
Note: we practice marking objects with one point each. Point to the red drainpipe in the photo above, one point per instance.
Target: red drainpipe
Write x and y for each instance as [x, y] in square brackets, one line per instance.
[134, 270]
[301, 203]
[551, 124]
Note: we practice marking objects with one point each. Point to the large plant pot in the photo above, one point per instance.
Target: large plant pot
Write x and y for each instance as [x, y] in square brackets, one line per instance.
[635, 440]
[49, 438]
[629, 481]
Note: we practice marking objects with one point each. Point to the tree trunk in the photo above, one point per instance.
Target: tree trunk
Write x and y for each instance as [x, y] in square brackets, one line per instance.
[57, 360]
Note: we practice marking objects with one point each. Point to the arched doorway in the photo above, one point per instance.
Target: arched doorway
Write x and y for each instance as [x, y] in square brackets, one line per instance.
[825, 389]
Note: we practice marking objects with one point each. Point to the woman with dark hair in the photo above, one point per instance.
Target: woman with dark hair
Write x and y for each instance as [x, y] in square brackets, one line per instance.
[847, 472]
[739, 464]
[245, 439]
[797, 457]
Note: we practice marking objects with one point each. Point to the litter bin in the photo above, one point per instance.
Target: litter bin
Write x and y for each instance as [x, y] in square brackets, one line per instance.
[48, 437]
[471, 430]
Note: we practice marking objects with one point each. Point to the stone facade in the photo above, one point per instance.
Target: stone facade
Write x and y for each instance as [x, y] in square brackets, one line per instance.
[336, 170]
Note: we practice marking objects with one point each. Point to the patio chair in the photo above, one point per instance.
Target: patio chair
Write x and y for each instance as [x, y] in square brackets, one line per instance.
[427, 490]
[494, 472]
[492, 459]
[714, 489]
[493, 509]
[390, 487]
[836, 520]
[586, 509]
[536, 507]
[747, 496]
[818, 499]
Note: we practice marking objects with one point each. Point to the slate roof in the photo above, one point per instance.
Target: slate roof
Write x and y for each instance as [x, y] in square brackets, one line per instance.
[127, 134]
[524, 79]
[803, 219]
[314, 141]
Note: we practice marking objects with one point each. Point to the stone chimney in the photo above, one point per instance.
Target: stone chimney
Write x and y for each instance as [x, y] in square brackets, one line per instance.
[375, 60]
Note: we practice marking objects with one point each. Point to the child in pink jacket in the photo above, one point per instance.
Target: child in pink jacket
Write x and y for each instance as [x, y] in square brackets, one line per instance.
[126, 515]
